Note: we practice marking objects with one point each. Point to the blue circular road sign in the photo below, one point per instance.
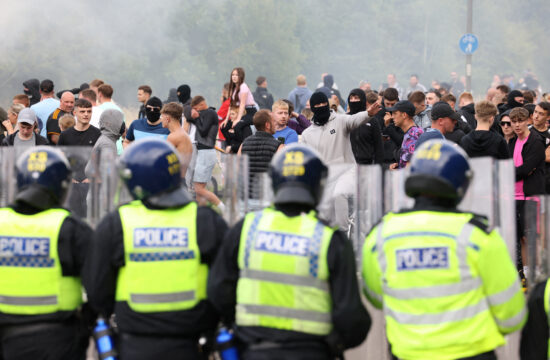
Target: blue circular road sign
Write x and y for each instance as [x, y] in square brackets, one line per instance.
[468, 43]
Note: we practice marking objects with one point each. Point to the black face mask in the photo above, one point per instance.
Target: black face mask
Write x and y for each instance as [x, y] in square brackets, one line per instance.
[27, 92]
[153, 115]
[512, 103]
[321, 115]
[356, 106]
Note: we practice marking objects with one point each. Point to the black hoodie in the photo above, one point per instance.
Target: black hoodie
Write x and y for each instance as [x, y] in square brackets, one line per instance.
[468, 112]
[480, 143]
[511, 101]
[34, 90]
[366, 140]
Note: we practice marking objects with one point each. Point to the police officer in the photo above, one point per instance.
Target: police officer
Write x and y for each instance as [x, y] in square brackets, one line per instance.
[42, 250]
[446, 282]
[150, 259]
[286, 279]
[535, 334]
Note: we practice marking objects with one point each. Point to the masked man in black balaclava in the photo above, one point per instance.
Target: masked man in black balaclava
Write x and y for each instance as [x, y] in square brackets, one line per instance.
[330, 136]
[184, 97]
[357, 101]
[330, 132]
[184, 94]
[152, 110]
[150, 126]
[320, 108]
[31, 88]
[514, 100]
[366, 140]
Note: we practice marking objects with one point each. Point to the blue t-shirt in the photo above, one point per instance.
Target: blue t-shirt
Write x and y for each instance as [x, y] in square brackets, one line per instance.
[140, 129]
[290, 135]
[43, 110]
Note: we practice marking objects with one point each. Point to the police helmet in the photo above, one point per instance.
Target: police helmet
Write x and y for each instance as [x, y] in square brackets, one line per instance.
[298, 175]
[150, 167]
[439, 169]
[43, 177]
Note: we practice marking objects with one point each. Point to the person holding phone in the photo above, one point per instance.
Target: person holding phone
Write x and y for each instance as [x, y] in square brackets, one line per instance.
[283, 133]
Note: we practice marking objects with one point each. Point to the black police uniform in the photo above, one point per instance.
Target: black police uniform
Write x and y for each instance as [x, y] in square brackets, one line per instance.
[173, 334]
[535, 334]
[350, 319]
[62, 335]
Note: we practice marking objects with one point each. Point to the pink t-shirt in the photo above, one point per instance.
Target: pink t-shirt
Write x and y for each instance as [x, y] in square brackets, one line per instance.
[518, 161]
[249, 98]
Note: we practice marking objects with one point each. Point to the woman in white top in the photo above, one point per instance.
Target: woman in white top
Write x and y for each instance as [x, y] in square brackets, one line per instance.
[241, 97]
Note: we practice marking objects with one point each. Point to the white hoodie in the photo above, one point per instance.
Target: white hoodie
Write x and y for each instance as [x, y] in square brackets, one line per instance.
[332, 140]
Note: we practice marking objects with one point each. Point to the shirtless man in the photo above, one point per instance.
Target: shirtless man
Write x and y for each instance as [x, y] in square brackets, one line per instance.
[171, 120]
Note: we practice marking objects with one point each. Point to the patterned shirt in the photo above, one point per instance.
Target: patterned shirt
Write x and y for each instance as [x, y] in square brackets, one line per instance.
[408, 145]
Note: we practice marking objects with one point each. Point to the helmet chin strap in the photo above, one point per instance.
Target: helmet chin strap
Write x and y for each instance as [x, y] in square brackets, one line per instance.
[169, 199]
[37, 197]
[428, 201]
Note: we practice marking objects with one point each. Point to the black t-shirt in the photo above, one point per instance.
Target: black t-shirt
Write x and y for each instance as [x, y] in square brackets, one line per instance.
[545, 137]
[73, 137]
[52, 125]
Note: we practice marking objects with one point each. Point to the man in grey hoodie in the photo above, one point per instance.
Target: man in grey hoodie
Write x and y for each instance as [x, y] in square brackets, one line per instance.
[112, 127]
[300, 95]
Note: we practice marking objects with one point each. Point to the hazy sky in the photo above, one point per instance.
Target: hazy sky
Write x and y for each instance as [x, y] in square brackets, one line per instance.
[130, 43]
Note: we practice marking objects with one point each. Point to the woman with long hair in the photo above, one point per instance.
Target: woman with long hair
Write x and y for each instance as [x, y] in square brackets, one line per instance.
[241, 97]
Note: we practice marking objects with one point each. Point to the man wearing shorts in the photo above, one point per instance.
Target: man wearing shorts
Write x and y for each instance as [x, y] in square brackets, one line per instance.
[206, 123]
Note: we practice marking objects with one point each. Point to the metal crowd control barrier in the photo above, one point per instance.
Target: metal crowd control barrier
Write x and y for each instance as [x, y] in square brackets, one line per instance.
[7, 175]
[537, 234]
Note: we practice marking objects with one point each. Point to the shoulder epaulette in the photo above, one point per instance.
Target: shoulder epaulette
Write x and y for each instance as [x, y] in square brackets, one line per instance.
[481, 222]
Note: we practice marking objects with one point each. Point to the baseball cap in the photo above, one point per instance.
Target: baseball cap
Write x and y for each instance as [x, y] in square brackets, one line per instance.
[46, 86]
[26, 116]
[442, 109]
[403, 106]
[429, 134]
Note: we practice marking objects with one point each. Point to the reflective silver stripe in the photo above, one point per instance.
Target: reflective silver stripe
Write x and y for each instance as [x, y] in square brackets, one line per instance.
[504, 296]
[288, 279]
[435, 291]
[513, 321]
[462, 241]
[380, 249]
[162, 298]
[277, 311]
[372, 294]
[28, 300]
[439, 318]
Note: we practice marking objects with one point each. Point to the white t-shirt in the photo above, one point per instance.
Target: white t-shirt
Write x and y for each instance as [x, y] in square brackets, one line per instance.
[192, 129]
[96, 113]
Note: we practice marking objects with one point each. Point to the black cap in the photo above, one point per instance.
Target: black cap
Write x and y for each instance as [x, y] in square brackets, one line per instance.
[403, 106]
[46, 86]
[442, 110]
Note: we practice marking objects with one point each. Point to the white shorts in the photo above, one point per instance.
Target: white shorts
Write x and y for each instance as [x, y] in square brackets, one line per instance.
[206, 159]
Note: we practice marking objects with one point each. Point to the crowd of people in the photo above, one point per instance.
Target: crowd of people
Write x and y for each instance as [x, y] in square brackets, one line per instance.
[283, 276]
[381, 126]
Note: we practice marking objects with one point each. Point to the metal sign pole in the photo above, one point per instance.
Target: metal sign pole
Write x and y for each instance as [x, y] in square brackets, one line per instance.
[469, 56]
